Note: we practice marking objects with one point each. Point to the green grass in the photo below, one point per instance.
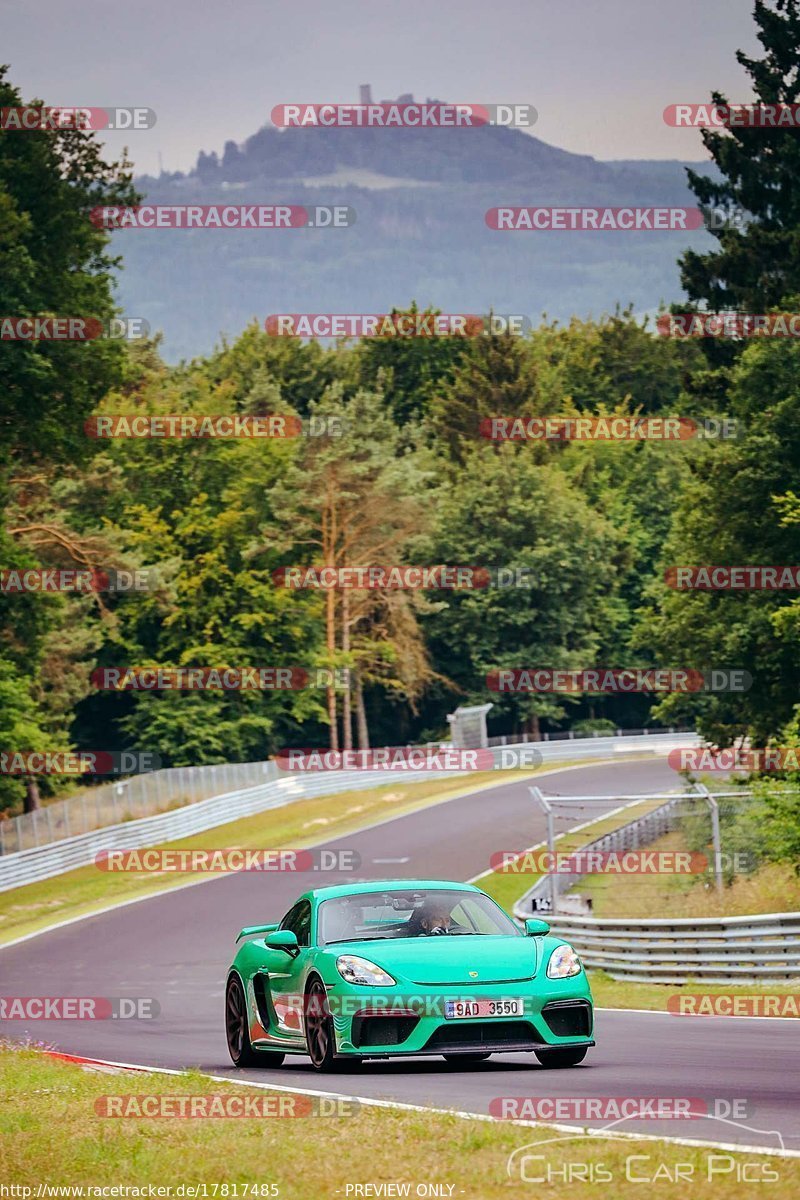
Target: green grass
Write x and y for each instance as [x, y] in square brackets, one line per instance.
[774, 887]
[50, 1133]
[612, 993]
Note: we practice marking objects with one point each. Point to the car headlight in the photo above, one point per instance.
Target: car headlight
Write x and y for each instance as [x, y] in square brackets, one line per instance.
[362, 971]
[563, 963]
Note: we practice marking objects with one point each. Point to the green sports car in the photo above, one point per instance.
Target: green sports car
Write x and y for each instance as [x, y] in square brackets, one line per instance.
[404, 967]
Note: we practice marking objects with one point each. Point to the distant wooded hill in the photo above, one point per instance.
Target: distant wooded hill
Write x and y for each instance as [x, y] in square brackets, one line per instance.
[420, 198]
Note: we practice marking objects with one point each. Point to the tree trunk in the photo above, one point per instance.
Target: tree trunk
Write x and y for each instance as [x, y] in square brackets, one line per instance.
[347, 706]
[361, 715]
[32, 797]
[330, 622]
[535, 731]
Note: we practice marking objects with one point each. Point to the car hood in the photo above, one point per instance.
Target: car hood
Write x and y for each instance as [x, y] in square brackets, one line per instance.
[462, 959]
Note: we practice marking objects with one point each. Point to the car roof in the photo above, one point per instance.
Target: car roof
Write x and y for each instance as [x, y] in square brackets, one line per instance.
[382, 885]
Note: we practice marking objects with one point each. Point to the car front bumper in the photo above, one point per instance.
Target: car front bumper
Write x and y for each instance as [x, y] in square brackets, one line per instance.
[369, 1025]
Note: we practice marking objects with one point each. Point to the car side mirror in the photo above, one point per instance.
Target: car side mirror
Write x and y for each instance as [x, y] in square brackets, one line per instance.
[534, 927]
[283, 939]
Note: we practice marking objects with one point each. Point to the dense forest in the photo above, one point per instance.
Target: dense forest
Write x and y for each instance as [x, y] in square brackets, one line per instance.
[390, 468]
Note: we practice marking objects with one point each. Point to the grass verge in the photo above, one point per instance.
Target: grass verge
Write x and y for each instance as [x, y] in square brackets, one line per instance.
[774, 887]
[614, 993]
[322, 1157]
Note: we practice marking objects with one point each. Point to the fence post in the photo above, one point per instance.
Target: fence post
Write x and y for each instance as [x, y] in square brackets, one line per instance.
[551, 840]
[703, 791]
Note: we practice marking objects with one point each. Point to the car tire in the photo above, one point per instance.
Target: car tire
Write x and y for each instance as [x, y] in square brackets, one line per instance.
[320, 1036]
[568, 1057]
[478, 1056]
[238, 1034]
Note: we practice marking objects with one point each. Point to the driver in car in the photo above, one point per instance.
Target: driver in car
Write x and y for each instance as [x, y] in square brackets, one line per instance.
[433, 920]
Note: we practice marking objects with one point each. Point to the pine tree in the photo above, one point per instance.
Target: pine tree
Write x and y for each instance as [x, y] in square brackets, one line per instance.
[758, 265]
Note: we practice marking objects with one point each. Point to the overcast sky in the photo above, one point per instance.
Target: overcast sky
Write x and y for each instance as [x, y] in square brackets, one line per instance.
[599, 72]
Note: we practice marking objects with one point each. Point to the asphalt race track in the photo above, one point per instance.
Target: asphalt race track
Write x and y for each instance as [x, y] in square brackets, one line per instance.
[177, 947]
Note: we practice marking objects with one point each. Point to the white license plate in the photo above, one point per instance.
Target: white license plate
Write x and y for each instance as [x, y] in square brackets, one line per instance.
[467, 1010]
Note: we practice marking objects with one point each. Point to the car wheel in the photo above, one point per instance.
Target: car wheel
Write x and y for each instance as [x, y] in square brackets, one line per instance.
[568, 1057]
[320, 1038]
[238, 1034]
[478, 1056]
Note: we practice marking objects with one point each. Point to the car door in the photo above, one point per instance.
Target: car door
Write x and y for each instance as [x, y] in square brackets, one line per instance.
[286, 973]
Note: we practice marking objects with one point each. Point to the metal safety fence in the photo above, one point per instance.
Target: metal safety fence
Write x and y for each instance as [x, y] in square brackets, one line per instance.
[713, 950]
[266, 786]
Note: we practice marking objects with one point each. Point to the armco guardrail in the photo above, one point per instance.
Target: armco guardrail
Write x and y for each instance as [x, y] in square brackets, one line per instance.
[712, 950]
[154, 792]
[28, 866]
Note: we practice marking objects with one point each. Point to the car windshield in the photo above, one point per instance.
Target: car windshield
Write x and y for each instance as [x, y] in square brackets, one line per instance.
[373, 916]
